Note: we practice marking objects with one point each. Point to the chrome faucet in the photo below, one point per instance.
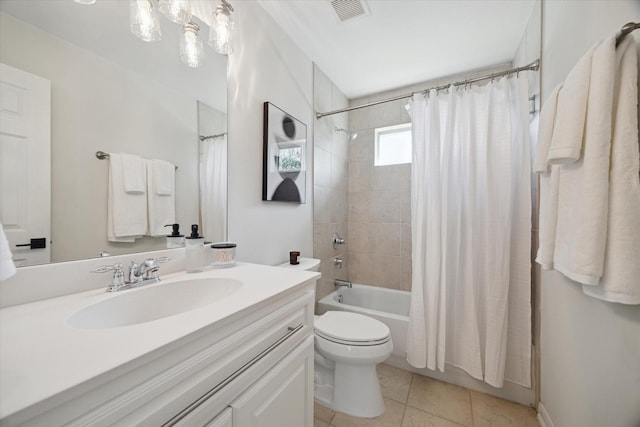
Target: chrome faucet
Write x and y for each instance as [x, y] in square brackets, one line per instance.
[137, 275]
[337, 283]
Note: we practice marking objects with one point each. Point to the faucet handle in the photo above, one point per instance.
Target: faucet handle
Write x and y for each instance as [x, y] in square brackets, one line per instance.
[118, 276]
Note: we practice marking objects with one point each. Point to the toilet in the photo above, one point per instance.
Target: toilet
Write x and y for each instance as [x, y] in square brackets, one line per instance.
[348, 346]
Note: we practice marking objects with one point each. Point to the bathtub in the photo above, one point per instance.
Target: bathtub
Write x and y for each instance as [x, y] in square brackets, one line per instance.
[389, 306]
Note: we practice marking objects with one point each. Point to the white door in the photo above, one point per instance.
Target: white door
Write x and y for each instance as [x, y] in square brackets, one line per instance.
[25, 164]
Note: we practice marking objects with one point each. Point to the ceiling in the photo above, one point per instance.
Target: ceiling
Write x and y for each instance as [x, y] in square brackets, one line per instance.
[402, 42]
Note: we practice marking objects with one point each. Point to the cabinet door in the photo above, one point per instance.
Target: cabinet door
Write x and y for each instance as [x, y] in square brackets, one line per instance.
[283, 397]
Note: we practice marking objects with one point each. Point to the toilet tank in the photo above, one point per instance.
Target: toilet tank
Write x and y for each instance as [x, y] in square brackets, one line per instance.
[309, 264]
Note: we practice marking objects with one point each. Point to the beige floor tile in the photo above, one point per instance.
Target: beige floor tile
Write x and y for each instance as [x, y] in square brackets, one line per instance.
[394, 382]
[318, 423]
[416, 418]
[392, 417]
[489, 411]
[444, 400]
[323, 413]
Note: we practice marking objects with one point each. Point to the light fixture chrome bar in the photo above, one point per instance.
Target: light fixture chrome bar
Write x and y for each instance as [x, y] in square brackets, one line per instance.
[534, 66]
[204, 138]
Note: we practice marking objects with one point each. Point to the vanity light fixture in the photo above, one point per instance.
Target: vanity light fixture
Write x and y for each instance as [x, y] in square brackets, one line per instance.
[143, 20]
[178, 11]
[191, 51]
[144, 23]
[221, 31]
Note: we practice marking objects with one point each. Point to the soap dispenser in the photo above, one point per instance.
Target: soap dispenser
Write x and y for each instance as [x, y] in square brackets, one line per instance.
[175, 239]
[194, 251]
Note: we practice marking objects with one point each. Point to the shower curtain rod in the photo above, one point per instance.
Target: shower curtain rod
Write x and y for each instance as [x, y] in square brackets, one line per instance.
[534, 66]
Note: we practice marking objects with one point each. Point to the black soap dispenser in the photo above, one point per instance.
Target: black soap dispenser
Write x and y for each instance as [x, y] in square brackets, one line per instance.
[175, 239]
[194, 256]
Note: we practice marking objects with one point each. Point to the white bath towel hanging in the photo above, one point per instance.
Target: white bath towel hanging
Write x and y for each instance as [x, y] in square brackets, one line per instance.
[126, 212]
[133, 173]
[161, 207]
[548, 182]
[621, 279]
[583, 186]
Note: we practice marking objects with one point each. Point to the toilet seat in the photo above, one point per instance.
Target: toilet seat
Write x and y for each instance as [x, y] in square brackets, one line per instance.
[348, 328]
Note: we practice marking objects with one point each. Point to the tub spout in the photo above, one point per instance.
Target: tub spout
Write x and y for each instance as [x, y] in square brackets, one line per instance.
[344, 283]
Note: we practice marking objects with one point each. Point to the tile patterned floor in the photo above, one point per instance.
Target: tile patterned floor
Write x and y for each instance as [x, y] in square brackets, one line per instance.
[413, 400]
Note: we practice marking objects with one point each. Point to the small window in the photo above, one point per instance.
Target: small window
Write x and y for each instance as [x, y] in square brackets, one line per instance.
[393, 145]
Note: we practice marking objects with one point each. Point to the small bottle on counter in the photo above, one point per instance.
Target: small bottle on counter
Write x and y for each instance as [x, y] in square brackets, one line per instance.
[175, 239]
[194, 251]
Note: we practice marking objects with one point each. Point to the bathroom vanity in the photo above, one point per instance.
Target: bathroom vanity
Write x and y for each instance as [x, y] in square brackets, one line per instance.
[236, 353]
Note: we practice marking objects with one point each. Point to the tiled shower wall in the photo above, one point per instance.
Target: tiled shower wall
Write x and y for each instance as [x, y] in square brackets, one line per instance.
[379, 202]
[330, 183]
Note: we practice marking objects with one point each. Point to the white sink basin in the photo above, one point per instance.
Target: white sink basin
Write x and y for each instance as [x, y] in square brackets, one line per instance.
[153, 302]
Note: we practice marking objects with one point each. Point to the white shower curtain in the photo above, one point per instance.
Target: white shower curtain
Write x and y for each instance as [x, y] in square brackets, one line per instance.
[471, 228]
[213, 189]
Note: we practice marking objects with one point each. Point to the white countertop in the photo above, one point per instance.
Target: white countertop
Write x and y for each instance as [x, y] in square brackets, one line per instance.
[41, 355]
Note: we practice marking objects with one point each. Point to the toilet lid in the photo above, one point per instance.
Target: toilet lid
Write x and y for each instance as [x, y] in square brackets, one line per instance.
[344, 326]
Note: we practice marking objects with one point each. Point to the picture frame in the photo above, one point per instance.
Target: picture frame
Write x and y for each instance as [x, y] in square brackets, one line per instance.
[284, 157]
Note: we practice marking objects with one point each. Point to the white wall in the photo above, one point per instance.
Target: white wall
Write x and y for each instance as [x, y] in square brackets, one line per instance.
[590, 349]
[266, 66]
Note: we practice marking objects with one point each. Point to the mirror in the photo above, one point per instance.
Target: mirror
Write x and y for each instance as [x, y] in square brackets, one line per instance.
[112, 92]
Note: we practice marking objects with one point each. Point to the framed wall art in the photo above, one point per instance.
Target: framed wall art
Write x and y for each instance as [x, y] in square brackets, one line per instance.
[285, 150]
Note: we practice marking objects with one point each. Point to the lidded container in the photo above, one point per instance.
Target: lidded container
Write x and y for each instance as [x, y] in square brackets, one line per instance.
[224, 254]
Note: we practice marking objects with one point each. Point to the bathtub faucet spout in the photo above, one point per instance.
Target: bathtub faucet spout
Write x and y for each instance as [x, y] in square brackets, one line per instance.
[344, 283]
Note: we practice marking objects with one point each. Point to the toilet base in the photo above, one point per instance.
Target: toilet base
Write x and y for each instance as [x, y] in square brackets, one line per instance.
[351, 389]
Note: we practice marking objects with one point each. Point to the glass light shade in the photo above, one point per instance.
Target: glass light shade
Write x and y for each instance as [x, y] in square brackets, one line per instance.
[178, 11]
[191, 51]
[220, 33]
[85, 1]
[143, 20]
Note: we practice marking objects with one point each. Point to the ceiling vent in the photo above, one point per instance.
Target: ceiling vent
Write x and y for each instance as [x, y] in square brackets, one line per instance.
[349, 9]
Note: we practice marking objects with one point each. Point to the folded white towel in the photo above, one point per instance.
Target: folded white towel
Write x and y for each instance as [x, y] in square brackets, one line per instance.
[161, 209]
[164, 177]
[126, 212]
[7, 267]
[583, 186]
[133, 173]
[621, 280]
[545, 131]
[566, 143]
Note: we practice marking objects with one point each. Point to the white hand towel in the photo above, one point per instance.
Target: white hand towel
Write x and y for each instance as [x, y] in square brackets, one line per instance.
[545, 131]
[566, 143]
[126, 212]
[164, 177]
[583, 186]
[621, 280]
[7, 267]
[133, 173]
[162, 209]
[548, 182]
